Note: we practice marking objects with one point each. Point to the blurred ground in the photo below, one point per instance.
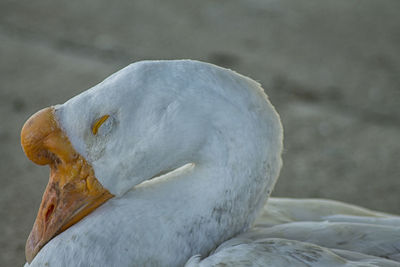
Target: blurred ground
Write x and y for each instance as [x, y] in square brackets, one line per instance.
[331, 68]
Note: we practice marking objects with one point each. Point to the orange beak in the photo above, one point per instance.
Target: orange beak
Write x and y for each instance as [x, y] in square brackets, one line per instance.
[73, 190]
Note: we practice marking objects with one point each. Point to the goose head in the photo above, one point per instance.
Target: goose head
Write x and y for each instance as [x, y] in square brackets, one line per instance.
[149, 119]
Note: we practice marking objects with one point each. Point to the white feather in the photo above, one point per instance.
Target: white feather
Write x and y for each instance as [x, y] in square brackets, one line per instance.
[221, 129]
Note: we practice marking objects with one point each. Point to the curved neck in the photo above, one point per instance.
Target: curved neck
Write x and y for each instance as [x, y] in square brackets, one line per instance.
[163, 223]
[219, 196]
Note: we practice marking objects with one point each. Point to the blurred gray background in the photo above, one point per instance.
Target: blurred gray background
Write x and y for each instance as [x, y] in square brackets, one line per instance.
[331, 68]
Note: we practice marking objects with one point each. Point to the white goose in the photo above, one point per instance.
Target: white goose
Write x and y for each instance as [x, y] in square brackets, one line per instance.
[164, 161]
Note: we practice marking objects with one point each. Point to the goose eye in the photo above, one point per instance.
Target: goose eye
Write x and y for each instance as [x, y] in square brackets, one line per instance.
[98, 123]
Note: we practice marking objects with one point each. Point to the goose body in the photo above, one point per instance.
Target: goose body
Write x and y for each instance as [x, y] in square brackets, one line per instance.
[179, 158]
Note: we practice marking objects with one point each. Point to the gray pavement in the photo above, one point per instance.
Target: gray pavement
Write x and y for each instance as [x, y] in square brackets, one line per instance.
[331, 68]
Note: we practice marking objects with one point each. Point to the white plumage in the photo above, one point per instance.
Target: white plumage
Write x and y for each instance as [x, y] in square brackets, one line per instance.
[222, 139]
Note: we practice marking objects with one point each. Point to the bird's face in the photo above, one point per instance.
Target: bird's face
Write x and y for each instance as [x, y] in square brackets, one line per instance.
[105, 141]
[73, 190]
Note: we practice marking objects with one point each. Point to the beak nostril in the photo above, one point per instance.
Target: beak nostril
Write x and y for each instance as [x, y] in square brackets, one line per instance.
[57, 160]
[46, 157]
[43, 140]
[49, 211]
[54, 158]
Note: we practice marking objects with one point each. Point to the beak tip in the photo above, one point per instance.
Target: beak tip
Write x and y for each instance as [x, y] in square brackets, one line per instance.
[29, 255]
[32, 247]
